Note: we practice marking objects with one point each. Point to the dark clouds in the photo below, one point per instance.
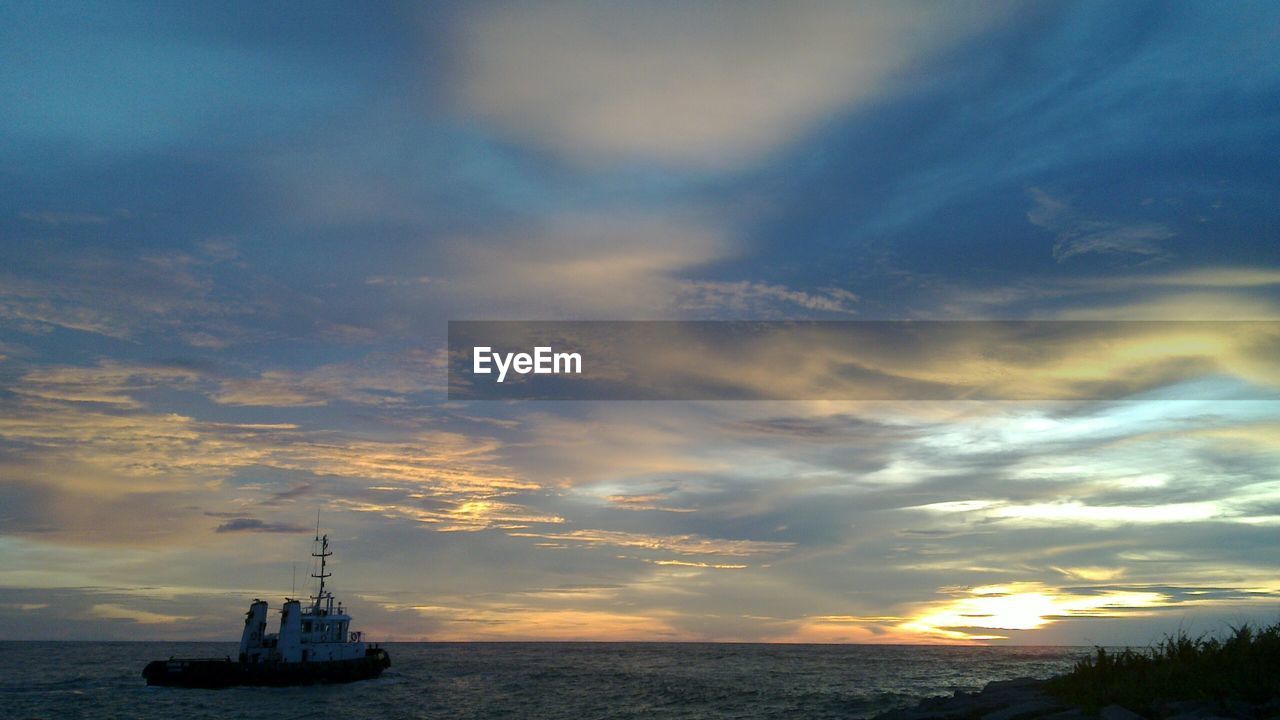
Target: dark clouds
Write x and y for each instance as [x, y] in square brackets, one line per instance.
[244, 524]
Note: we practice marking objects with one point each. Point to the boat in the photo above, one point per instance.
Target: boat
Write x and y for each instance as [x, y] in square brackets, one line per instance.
[315, 644]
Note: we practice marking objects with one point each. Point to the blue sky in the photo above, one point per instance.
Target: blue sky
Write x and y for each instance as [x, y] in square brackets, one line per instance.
[231, 238]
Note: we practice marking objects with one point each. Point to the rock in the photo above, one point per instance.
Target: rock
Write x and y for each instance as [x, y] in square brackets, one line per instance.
[1016, 699]
[1186, 709]
[1024, 699]
[928, 709]
[1069, 714]
[1242, 710]
[919, 713]
[1116, 712]
[1013, 684]
[1027, 709]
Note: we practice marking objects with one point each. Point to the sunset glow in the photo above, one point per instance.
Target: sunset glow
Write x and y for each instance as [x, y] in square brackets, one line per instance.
[1022, 606]
[1042, 406]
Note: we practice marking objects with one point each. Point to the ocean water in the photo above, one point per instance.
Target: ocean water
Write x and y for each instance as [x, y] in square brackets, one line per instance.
[541, 681]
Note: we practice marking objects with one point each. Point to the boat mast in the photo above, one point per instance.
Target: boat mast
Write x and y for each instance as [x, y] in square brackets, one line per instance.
[323, 555]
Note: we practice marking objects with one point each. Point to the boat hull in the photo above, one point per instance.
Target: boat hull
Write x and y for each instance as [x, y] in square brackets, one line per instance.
[213, 674]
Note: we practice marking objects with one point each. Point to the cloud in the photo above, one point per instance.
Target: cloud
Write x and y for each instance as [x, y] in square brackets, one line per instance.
[117, 296]
[679, 544]
[245, 524]
[579, 266]
[395, 281]
[787, 503]
[1020, 360]
[1080, 236]
[1209, 277]
[618, 265]
[108, 383]
[471, 621]
[1059, 513]
[704, 86]
[273, 388]
[641, 503]
[293, 493]
[472, 512]
[59, 452]
[699, 564]
[761, 300]
[1183, 305]
[110, 611]
[379, 379]
[1210, 292]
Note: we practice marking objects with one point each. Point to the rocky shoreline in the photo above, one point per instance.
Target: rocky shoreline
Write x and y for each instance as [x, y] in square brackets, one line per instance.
[1025, 699]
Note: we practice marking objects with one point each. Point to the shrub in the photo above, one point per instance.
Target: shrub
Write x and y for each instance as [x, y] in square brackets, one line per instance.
[1245, 666]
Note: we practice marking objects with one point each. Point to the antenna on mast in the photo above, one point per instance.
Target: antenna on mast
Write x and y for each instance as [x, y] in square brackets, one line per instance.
[323, 555]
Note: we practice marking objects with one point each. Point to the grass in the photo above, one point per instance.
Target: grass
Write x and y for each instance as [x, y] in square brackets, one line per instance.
[1244, 665]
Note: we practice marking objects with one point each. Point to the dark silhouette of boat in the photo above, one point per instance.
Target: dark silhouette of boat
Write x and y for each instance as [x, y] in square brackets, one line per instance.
[314, 645]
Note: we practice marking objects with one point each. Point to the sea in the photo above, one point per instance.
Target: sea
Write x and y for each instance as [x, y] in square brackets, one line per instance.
[540, 681]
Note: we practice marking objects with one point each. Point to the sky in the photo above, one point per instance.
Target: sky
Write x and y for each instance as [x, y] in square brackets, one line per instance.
[232, 236]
